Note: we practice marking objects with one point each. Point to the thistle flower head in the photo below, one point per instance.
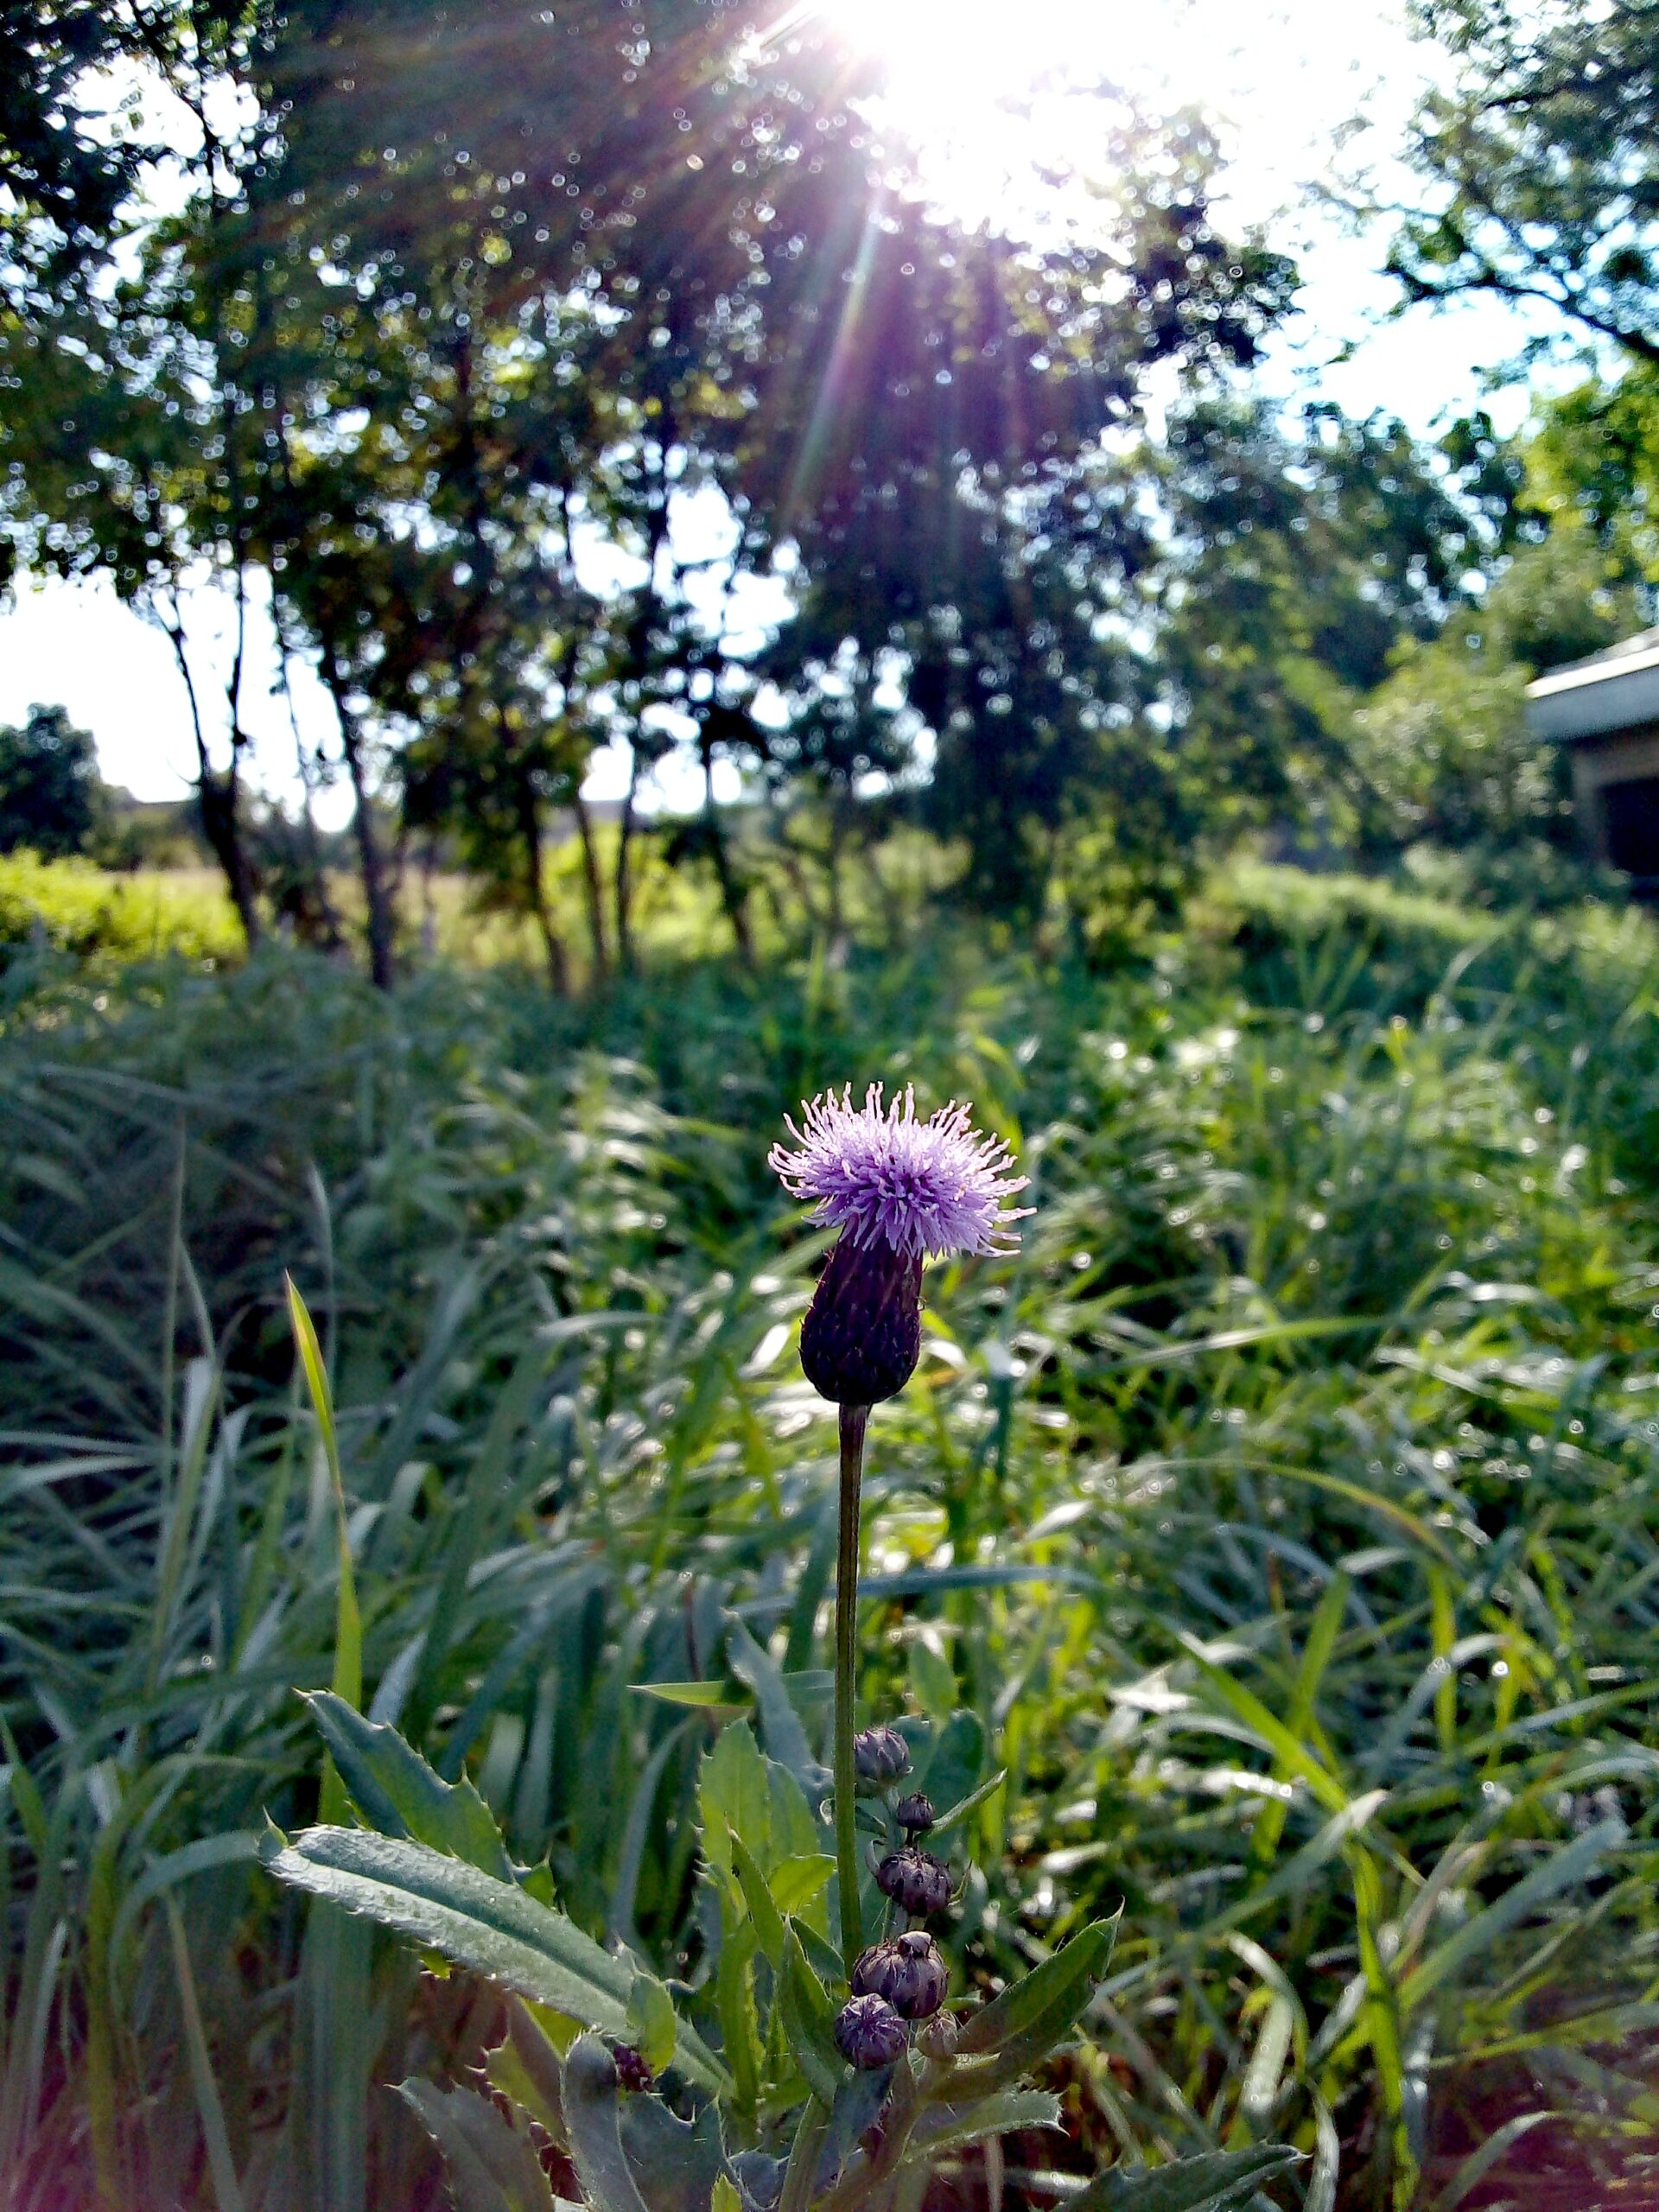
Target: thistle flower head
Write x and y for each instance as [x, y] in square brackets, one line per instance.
[917, 1882]
[869, 2032]
[881, 1755]
[909, 1972]
[878, 1175]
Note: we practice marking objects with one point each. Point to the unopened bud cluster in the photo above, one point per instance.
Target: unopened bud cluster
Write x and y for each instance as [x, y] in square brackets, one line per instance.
[904, 1979]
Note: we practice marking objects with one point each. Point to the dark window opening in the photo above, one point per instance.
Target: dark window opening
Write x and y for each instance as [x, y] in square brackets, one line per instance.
[1631, 813]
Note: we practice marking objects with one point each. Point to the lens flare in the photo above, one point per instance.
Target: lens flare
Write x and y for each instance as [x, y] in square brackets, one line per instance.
[974, 85]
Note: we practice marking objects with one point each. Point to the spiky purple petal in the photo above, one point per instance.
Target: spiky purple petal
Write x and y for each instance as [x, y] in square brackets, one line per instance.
[878, 1173]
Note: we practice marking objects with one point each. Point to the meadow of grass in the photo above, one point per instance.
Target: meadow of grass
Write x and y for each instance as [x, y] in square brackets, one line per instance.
[74, 906]
[1285, 1517]
[115, 917]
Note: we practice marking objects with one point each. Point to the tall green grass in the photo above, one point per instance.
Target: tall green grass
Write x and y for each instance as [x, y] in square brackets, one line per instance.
[1286, 1511]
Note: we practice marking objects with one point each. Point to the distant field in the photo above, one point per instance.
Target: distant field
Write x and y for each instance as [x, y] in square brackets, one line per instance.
[86, 910]
[152, 912]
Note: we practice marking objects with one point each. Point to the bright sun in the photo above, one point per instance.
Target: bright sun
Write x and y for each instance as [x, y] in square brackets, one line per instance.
[956, 73]
[1277, 75]
[948, 61]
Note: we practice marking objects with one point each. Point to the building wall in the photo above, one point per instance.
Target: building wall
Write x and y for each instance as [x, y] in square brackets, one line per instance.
[1629, 756]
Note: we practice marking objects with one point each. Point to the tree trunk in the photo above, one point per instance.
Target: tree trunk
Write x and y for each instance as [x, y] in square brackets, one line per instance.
[594, 889]
[733, 897]
[429, 902]
[794, 874]
[529, 830]
[327, 932]
[217, 797]
[221, 822]
[837, 842]
[371, 862]
[624, 885]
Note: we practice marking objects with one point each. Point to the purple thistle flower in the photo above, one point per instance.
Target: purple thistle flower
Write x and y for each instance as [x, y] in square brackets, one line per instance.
[880, 1176]
[897, 1189]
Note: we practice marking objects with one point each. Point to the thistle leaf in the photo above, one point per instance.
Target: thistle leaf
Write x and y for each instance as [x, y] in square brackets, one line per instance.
[1030, 2018]
[1220, 2181]
[491, 2165]
[401, 1795]
[489, 1925]
[592, 2118]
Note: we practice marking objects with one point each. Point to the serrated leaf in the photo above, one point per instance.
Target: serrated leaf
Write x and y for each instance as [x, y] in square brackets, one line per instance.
[739, 2027]
[401, 1795]
[795, 1882]
[795, 1833]
[653, 2027]
[735, 1797]
[1033, 2015]
[591, 2098]
[490, 2165]
[526, 2069]
[676, 2163]
[1220, 2181]
[763, 1913]
[952, 2127]
[673, 2162]
[489, 1925]
[809, 2021]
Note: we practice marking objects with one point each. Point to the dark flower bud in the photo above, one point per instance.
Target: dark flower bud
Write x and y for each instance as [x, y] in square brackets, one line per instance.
[908, 1972]
[915, 1880]
[939, 2037]
[862, 1334]
[880, 1755]
[914, 1813]
[630, 2069]
[869, 2032]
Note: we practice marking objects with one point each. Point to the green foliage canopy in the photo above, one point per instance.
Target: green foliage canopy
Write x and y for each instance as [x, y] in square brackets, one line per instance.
[50, 793]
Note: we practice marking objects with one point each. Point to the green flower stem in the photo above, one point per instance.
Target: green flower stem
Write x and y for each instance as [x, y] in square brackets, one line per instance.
[853, 1422]
[800, 2177]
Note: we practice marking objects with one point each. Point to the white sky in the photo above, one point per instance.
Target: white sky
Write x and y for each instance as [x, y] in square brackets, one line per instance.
[1281, 76]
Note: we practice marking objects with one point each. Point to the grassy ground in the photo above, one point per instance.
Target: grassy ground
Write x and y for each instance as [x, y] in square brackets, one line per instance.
[1285, 1514]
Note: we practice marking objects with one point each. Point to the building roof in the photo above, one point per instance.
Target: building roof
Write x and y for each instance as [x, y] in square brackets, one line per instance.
[1613, 690]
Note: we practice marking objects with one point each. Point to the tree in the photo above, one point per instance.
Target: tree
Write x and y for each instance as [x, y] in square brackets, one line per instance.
[842, 732]
[50, 794]
[1293, 561]
[952, 508]
[1540, 157]
[474, 307]
[1593, 459]
[1443, 745]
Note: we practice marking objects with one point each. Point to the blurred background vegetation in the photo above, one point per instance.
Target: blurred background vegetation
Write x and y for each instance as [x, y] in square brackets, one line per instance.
[1074, 726]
